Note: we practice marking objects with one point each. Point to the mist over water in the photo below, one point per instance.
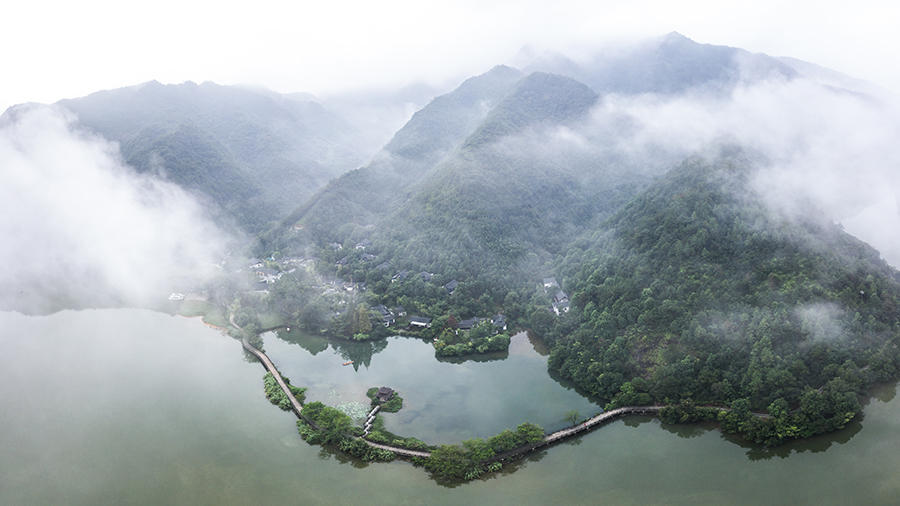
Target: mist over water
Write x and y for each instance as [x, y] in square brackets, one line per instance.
[81, 229]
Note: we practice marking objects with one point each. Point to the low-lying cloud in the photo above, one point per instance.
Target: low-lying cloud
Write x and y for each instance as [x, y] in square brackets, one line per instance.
[833, 148]
[78, 228]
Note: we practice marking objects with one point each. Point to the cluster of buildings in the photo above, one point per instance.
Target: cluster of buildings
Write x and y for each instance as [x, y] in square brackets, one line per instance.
[498, 321]
[387, 316]
[560, 302]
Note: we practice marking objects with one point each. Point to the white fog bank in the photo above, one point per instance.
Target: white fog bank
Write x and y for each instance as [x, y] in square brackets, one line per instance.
[78, 228]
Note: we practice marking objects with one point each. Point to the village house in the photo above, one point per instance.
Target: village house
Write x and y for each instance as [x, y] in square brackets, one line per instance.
[468, 324]
[386, 317]
[420, 321]
[561, 307]
[451, 286]
[560, 303]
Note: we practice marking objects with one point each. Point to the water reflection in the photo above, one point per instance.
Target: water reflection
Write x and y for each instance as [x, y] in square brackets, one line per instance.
[572, 386]
[635, 421]
[312, 343]
[538, 344]
[495, 356]
[689, 430]
[883, 393]
[816, 444]
[756, 452]
[332, 453]
[359, 353]
[455, 398]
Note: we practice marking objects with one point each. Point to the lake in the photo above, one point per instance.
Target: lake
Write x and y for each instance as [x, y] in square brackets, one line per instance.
[128, 406]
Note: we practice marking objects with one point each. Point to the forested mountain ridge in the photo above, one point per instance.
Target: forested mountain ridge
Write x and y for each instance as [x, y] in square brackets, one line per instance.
[255, 153]
[697, 290]
[671, 64]
[491, 203]
[363, 195]
[539, 98]
[435, 148]
[440, 126]
[495, 205]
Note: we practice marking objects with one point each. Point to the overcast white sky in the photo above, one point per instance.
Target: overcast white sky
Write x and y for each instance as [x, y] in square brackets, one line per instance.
[54, 49]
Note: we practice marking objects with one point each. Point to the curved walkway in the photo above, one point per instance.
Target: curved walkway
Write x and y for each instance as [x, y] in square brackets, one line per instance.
[577, 429]
[398, 451]
[602, 417]
[297, 408]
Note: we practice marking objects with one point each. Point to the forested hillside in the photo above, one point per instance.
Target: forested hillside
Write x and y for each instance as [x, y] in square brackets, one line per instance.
[363, 196]
[479, 181]
[698, 291]
[496, 207]
[254, 153]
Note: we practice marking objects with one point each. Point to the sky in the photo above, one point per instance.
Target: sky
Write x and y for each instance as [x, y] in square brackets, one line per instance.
[78, 222]
[54, 50]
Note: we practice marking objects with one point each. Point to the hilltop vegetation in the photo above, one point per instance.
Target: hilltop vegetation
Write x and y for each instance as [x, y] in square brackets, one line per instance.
[255, 154]
[697, 291]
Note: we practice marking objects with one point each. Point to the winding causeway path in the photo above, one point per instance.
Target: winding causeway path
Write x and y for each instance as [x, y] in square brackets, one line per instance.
[577, 429]
[297, 408]
[559, 435]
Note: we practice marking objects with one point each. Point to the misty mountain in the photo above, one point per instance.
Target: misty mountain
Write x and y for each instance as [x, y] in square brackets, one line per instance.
[254, 153]
[438, 144]
[361, 196]
[471, 186]
[377, 114]
[699, 289]
[668, 65]
[835, 79]
[501, 199]
[87, 231]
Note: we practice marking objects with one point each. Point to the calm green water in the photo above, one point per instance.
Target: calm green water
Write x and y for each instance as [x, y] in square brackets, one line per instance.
[135, 407]
[444, 401]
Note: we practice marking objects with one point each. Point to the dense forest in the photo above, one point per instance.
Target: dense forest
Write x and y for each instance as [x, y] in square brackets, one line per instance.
[697, 292]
